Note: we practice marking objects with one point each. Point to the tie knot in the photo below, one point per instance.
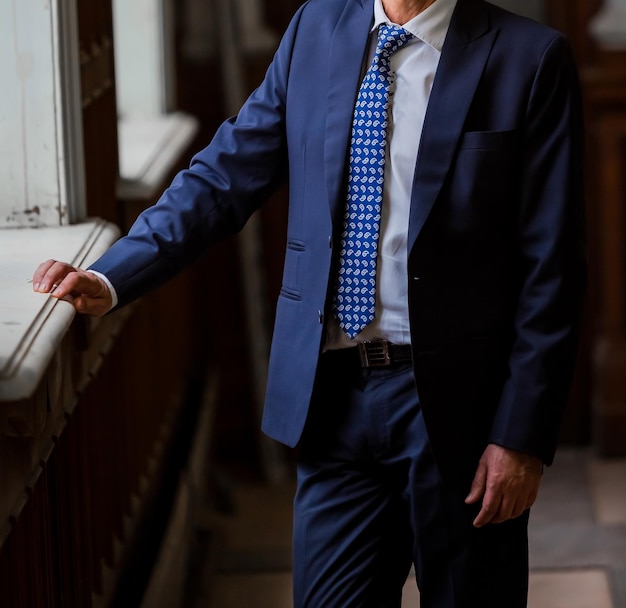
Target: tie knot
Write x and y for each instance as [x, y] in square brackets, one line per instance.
[391, 38]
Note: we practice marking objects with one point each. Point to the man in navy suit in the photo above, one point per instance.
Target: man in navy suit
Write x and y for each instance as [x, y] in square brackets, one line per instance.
[422, 438]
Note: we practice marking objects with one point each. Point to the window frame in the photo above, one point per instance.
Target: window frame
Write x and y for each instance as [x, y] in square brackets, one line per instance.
[42, 176]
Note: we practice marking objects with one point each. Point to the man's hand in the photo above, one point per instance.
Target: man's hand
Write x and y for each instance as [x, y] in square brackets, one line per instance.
[85, 291]
[507, 481]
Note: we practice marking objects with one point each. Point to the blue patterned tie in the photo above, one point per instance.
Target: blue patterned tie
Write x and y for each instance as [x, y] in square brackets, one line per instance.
[355, 294]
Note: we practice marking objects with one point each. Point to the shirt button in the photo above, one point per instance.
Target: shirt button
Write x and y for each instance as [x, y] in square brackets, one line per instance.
[417, 278]
[330, 242]
[320, 316]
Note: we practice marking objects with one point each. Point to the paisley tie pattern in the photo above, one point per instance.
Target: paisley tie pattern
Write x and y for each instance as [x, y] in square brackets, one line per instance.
[355, 293]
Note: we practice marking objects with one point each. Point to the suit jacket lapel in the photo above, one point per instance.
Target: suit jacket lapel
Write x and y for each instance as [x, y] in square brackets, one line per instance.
[347, 49]
[462, 62]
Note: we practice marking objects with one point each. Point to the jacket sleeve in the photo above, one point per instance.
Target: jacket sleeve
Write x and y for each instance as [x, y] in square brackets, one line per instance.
[551, 261]
[225, 183]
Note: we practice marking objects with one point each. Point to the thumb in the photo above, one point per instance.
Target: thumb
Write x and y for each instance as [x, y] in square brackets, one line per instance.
[479, 485]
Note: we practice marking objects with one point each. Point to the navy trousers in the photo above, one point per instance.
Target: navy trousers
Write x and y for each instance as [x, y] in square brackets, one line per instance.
[370, 503]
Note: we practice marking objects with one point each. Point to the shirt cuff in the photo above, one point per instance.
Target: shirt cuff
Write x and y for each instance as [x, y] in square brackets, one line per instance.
[112, 291]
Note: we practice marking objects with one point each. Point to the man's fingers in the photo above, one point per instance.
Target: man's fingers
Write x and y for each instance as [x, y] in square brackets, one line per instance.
[478, 485]
[39, 274]
[509, 509]
[532, 497]
[84, 290]
[491, 498]
[79, 283]
[511, 482]
[50, 274]
[520, 507]
[490, 507]
[500, 505]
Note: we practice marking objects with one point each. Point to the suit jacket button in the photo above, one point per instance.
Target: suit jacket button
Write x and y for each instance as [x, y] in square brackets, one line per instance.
[417, 278]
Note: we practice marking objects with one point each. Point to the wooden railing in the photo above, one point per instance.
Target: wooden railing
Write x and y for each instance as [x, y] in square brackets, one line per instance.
[90, 460]
[91, 451]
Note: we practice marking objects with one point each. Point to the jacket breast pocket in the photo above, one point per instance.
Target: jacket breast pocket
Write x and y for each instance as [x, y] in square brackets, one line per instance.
[483, 182]
[487, 140]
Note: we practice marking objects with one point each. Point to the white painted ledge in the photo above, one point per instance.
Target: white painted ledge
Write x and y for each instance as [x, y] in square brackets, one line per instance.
[149, 149]
[32, 325]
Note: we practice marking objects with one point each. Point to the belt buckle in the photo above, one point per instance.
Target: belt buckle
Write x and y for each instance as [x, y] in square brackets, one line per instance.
[374, 353]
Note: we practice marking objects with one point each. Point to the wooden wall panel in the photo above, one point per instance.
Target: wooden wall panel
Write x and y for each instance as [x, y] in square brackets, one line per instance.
[603, 76]
[95, 23]
[279, 12]
[572, 17]
[609, 166]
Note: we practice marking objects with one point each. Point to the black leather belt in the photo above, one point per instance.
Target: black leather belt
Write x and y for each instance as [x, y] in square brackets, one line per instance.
[376, 353]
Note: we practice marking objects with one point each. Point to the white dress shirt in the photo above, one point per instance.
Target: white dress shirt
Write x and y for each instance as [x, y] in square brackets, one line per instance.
[109, 285]
[415, 66]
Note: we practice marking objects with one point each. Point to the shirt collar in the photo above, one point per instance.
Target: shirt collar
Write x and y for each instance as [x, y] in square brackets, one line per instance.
[430, 26]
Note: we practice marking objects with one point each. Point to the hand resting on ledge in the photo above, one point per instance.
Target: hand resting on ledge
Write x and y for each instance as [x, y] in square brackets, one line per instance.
[87, 292]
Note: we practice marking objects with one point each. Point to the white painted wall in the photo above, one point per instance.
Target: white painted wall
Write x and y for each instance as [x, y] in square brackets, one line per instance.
[144, 46]
[41, 173]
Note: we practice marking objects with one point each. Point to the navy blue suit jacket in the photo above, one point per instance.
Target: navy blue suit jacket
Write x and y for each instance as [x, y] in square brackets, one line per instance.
[496, 266]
